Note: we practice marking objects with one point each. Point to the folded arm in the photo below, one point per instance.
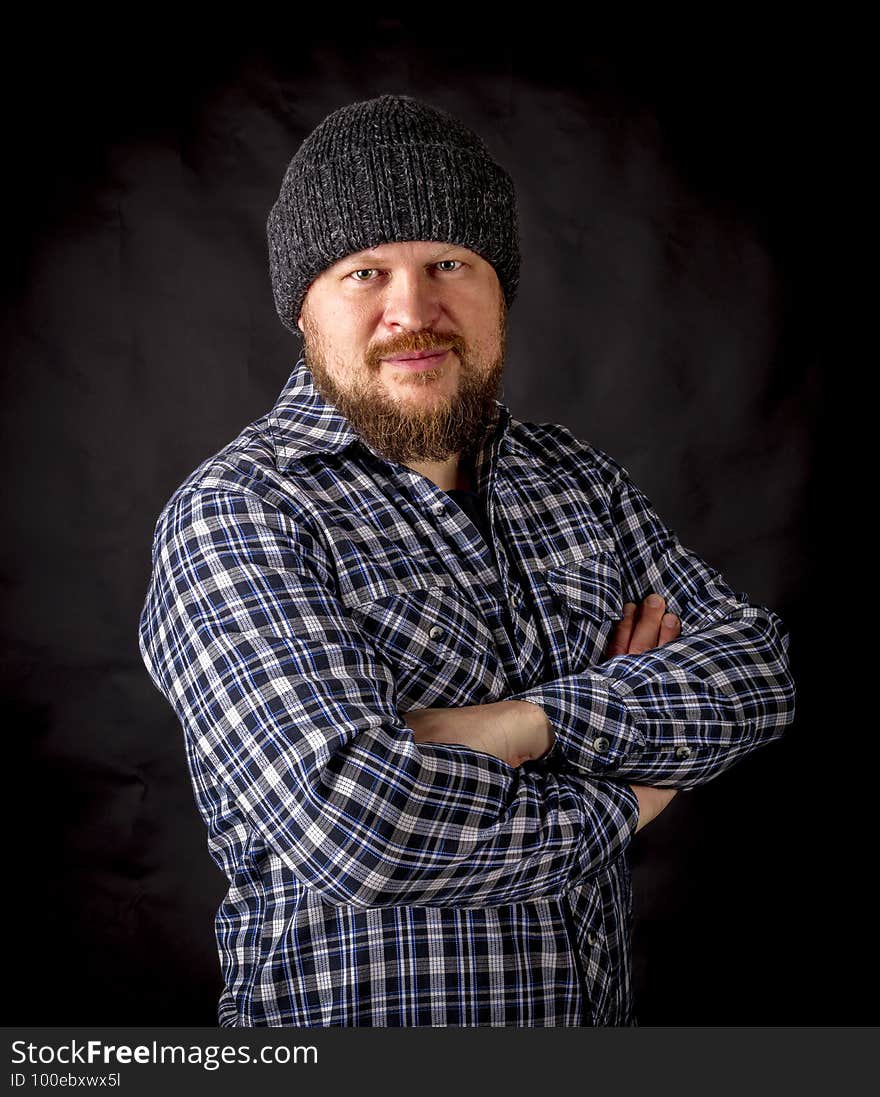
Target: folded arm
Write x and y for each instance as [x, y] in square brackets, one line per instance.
[291, 717]
[682, 713]
[519, 731]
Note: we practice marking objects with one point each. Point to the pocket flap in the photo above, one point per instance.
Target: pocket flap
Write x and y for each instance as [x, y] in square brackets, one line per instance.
[591, 585]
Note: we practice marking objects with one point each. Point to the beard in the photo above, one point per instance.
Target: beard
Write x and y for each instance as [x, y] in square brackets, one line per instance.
[453, 425]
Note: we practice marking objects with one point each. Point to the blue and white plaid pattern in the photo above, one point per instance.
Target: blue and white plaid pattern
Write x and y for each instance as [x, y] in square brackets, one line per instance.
[307, 592]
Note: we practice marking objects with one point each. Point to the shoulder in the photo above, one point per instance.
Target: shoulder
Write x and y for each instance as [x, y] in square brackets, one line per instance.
[246, 463]
[239, 482]
[554, 445]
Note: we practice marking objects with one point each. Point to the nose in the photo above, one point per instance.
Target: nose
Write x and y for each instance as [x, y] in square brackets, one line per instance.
[412, 301]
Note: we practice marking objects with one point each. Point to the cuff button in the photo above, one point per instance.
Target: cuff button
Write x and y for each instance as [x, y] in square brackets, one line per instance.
[682, 752]
[601, 744]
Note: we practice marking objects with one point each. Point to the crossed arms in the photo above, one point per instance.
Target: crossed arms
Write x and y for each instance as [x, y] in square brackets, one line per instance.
[294, 736]
[519, 731]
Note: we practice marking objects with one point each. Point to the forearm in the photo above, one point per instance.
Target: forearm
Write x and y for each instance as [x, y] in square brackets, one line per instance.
[384, 821]
[681, 714]
[514, 731]
[293, 734]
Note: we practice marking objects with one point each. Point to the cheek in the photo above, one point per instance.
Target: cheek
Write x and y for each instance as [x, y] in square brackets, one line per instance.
[485, 340]
[480, 324]
[354, 336]
[343, 343]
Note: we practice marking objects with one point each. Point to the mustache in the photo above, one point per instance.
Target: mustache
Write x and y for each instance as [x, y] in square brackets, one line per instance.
[416, 341]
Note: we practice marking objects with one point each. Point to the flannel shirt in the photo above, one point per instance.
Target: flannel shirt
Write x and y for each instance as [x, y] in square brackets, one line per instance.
[306, 593]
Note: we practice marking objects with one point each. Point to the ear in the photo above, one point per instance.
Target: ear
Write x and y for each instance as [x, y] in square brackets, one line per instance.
[300, 320]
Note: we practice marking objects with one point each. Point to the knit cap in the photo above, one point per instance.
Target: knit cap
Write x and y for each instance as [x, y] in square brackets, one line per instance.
[383, 170]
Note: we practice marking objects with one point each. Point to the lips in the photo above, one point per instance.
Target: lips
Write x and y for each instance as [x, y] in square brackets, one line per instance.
[421, 361]
[416, 355]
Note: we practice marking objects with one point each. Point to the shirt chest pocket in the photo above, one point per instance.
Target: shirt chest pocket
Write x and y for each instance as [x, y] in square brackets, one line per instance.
[437, 644]
[587, 596]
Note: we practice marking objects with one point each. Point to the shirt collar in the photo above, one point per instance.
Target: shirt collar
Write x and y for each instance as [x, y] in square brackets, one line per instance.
[302, 422]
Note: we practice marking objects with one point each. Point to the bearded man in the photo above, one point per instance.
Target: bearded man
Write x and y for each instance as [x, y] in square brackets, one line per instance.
[434, 665]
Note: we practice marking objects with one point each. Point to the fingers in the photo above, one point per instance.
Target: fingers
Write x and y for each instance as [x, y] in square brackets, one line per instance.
[670, 629]
[618, 643]
[646, 634]
[643, 628]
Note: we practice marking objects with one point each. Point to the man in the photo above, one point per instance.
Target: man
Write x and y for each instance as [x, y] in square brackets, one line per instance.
[418, 648]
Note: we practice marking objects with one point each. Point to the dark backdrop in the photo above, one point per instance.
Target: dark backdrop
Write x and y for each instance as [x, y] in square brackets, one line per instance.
[670, 197]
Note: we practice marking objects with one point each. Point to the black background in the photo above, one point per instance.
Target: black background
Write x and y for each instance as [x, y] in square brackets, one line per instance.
[671, 187]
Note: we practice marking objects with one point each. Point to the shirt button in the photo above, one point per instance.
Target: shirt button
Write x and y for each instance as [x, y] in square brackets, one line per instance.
[682, 752]
[592, 938]
[438, 508]
[600, 744]
[436, 632]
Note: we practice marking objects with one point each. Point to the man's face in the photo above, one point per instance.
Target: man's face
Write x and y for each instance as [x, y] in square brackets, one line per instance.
[364, 318]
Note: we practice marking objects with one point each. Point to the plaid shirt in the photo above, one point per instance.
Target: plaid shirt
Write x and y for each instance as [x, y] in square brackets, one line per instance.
[307, 592]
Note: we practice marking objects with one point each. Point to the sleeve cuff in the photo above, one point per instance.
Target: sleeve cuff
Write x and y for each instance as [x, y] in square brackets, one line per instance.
[594, 730]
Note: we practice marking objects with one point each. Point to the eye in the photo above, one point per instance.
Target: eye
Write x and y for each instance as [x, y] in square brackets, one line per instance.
[447, 263]
[364, 270]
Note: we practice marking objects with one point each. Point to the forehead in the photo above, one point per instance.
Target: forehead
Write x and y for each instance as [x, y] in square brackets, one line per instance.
[405, 251]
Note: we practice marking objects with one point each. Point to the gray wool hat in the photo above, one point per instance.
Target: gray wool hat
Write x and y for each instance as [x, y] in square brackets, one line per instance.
[382, 170]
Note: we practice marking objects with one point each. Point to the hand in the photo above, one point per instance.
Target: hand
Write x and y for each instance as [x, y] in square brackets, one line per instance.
[514, 731]
[643, 628]
[651, 802]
